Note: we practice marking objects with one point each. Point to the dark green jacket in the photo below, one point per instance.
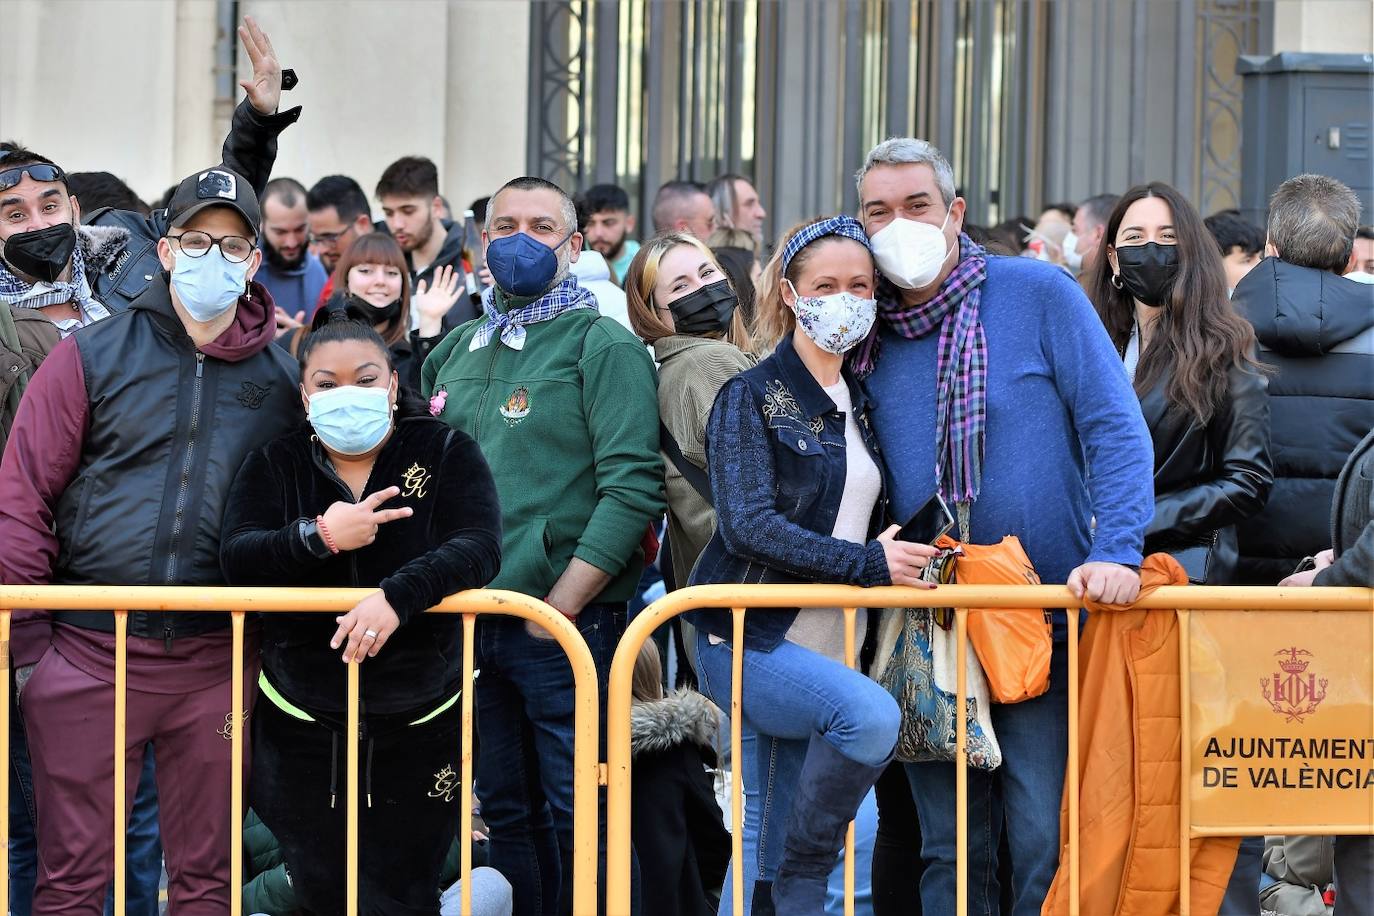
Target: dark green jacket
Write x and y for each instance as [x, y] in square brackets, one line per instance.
[569, 426]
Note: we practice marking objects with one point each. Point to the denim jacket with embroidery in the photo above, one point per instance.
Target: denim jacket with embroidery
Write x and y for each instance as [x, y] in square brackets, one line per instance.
[776, 454]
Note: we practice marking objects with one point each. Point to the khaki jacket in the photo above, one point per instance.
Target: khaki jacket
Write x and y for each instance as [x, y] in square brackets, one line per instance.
[26, 337]
[690, 374]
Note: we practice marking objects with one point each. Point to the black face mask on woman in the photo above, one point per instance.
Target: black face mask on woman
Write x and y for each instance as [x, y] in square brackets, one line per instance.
[42, 253]
[1148, 271]
[381, 313]
[705, 310]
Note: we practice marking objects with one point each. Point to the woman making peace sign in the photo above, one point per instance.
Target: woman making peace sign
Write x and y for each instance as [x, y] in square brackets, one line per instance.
[367, 495]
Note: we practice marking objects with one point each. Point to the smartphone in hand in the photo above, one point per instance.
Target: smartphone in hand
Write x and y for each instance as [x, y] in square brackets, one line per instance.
[930, 521]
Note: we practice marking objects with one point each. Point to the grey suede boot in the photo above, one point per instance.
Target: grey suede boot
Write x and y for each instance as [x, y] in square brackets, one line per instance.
[829, 791]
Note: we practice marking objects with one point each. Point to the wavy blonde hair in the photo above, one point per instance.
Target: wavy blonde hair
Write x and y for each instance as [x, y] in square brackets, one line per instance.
[639, 291]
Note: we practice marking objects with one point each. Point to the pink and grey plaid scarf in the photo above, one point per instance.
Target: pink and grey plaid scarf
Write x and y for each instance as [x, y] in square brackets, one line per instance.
[961, 371]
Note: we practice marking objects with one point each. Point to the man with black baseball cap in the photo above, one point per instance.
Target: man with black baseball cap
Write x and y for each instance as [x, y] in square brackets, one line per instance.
[116, 473]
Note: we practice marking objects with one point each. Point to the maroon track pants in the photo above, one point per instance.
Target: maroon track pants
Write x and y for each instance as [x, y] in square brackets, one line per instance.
[69, 715]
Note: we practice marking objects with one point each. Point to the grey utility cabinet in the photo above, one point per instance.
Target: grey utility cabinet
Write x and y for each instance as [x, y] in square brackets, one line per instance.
[1306, 113]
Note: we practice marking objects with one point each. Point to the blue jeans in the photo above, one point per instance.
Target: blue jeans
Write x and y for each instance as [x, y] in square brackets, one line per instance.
[790, 694]
[1354, 875]
[1029, 787]
[143, 846]
[1243, 890]
[525, 766]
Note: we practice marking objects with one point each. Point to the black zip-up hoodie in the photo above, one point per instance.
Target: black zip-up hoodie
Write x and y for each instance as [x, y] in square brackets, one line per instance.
[451, 542]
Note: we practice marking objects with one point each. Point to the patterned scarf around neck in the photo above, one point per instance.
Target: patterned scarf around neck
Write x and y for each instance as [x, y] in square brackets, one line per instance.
[961, 368]
[510, 324]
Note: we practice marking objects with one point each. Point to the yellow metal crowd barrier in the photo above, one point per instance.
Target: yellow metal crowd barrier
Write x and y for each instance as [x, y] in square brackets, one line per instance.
[241, 601]
[587, 770]
[961, 597]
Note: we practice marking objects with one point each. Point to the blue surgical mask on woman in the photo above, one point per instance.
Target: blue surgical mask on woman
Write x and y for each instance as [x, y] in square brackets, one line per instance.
[523, 266]
[208, 285]
[351, 420]
[836, 323]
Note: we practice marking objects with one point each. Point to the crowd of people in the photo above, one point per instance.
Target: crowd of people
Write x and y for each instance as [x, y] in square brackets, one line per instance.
[254, 383]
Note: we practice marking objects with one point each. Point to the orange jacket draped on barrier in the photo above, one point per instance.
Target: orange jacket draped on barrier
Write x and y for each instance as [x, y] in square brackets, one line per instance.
[1128, 768]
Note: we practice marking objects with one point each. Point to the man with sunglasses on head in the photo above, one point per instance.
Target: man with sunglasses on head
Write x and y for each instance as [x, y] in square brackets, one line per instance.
[43, 253]
[45, 295]
[116, 473]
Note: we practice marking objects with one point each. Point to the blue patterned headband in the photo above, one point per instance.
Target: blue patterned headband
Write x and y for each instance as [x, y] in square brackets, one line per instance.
[846, 226]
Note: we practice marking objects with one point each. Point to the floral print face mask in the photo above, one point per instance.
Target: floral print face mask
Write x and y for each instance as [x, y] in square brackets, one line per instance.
[836, 323]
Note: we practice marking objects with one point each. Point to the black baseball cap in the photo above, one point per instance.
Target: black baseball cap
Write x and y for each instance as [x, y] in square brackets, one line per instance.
[216, 186]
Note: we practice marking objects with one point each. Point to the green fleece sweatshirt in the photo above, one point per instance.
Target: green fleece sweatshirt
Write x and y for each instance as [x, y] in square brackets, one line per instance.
[569, 425]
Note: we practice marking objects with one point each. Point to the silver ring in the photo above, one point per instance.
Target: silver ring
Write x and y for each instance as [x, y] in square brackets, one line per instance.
[370, 633]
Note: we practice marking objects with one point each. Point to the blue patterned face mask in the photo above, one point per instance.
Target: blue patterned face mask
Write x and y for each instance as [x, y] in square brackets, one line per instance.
[836, 323]
[351, 420]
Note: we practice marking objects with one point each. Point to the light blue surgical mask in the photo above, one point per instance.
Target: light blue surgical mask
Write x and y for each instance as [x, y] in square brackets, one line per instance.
[351, 420]
[208, 285]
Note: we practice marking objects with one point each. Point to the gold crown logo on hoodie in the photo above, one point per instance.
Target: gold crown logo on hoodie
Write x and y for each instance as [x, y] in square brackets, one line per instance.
[414, 479]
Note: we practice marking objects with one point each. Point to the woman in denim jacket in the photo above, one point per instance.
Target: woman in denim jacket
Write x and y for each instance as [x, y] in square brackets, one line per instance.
[795, 467]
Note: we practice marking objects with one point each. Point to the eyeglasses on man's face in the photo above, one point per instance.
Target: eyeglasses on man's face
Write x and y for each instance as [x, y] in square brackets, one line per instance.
[196, 244]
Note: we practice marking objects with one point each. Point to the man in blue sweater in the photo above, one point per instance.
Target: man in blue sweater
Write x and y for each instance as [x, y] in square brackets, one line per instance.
[996, 385]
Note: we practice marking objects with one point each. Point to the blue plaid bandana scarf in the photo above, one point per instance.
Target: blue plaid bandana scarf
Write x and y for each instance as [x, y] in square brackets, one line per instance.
[22, 294]
[846, 226]
[564, 297]
[961, 368]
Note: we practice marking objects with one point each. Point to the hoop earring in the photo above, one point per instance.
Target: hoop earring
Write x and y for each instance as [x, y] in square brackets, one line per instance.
[1116, 281]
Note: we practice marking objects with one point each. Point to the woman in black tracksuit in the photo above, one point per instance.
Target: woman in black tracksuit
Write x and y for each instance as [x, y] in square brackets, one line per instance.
[307, 510]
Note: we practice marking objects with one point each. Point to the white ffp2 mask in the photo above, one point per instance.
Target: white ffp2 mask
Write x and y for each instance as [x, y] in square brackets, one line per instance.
[910, 253]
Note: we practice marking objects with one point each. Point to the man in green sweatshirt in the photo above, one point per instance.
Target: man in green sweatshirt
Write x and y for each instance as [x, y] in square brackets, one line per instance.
[563, 404]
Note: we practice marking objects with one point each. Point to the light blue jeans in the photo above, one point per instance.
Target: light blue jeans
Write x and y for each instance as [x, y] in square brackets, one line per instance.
[790, 694]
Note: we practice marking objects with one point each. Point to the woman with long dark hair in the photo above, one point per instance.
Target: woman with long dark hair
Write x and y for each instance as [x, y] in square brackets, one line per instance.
[1160, 289]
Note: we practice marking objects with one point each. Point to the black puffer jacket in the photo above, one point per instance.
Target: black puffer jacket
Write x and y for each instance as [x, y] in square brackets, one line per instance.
[1317, 330]
[121, 273]
[1209, 478]
[122, 453]
[451, 542]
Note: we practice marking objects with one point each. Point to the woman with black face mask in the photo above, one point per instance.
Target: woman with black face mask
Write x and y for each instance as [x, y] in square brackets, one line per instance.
[682, 304]
[372, 284]
[1160, 289]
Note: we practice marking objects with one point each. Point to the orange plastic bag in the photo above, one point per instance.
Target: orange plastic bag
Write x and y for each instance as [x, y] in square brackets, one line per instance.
[1013, 645]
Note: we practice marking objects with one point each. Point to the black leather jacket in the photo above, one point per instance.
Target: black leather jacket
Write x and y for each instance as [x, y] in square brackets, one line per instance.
[122, 273]
[1209, 478]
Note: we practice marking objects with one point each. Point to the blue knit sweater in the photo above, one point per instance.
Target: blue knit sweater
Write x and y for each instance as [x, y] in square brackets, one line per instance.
[1066, 442]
